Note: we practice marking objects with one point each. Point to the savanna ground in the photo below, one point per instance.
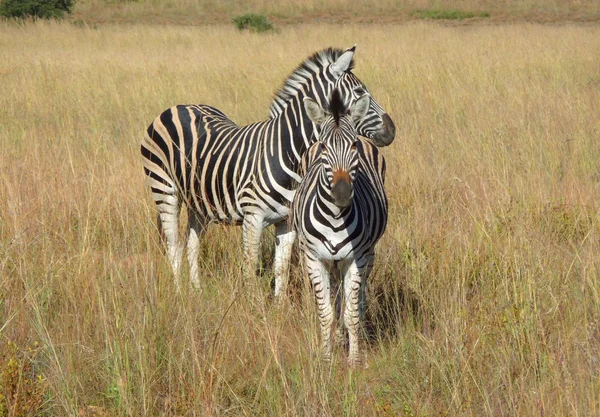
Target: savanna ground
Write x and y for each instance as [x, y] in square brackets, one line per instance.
[485, 299]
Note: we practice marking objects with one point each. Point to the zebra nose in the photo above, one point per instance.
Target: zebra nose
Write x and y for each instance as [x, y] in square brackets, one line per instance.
[342, 192]
[387, 134]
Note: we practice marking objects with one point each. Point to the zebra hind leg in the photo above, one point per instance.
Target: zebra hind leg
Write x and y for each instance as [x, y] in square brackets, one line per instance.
[336, 290]
[196, 226]
[362, 295]
[169, 206]
[252, 229]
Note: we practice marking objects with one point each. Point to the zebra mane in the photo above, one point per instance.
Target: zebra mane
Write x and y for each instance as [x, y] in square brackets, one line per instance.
[337, 107]
[301, 76]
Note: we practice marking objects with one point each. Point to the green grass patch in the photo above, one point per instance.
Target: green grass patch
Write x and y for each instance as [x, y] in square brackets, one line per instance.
[253, 22]
[447, 14]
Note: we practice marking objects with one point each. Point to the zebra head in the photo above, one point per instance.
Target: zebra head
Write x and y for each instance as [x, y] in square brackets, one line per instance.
[338, 139]
[324, 72]
[377, 125]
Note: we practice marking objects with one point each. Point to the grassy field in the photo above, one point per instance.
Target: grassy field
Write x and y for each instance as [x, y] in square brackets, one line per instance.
[485, 300]
[194, 12]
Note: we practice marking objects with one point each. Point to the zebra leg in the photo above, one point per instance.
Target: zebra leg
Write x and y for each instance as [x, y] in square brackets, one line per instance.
[284, 240]
[196, 228]
[352, 287]
[319, 278]
[161, 233]
[252, 228]
[340, 336]
[168, 212]
[362, 295]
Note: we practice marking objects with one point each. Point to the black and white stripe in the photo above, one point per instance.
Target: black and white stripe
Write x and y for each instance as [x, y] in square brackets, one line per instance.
[195, 155]
[340, 212]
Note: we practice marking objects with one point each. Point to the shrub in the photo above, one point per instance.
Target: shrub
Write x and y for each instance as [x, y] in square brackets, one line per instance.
[253, 22]
[44, 9]
[450, 14]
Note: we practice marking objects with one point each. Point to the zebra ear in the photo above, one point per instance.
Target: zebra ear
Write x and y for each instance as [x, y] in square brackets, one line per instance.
[314, 111]
[342, 64]
[360, 108]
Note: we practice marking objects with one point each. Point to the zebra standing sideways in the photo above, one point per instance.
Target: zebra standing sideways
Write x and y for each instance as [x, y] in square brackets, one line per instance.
[195, 155]
[340, 212]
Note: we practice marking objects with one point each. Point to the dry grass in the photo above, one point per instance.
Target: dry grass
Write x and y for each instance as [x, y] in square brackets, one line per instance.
[486, 295]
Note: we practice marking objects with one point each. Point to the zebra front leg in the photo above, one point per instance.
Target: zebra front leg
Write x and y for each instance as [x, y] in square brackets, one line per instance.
[284, 240]
[252, 228]
[319, 278]
[352, 287]
[196, 228]
[168, 208]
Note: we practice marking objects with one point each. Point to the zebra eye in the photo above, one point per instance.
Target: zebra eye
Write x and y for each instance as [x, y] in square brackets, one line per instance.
[353, 147]
[359, 91]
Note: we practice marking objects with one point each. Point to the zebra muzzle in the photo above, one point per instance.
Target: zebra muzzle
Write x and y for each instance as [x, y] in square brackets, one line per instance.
[342, 191]
[387, 134]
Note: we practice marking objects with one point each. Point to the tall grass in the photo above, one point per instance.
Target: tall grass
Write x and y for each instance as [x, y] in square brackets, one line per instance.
[485, 296]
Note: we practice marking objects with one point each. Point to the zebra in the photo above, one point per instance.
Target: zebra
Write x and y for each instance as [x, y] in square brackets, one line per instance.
[195, 155]
[340, 212]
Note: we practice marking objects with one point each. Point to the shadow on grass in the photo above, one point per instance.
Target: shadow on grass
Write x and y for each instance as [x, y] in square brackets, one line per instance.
[391, 308]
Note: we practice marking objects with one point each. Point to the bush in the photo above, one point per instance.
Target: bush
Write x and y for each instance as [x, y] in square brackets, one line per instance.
[450, 14]
[253, 22]
[44, 9]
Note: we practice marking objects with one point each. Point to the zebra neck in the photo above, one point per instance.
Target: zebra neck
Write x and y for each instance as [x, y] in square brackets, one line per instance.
[300, 128]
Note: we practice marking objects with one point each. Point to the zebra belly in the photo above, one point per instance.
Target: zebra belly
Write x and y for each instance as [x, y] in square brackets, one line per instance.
[222, 207]
[276, 214]
[272, 207]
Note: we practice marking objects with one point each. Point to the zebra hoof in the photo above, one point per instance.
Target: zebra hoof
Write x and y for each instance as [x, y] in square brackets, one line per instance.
[326, 356]
[356, 362]
[339, 336]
